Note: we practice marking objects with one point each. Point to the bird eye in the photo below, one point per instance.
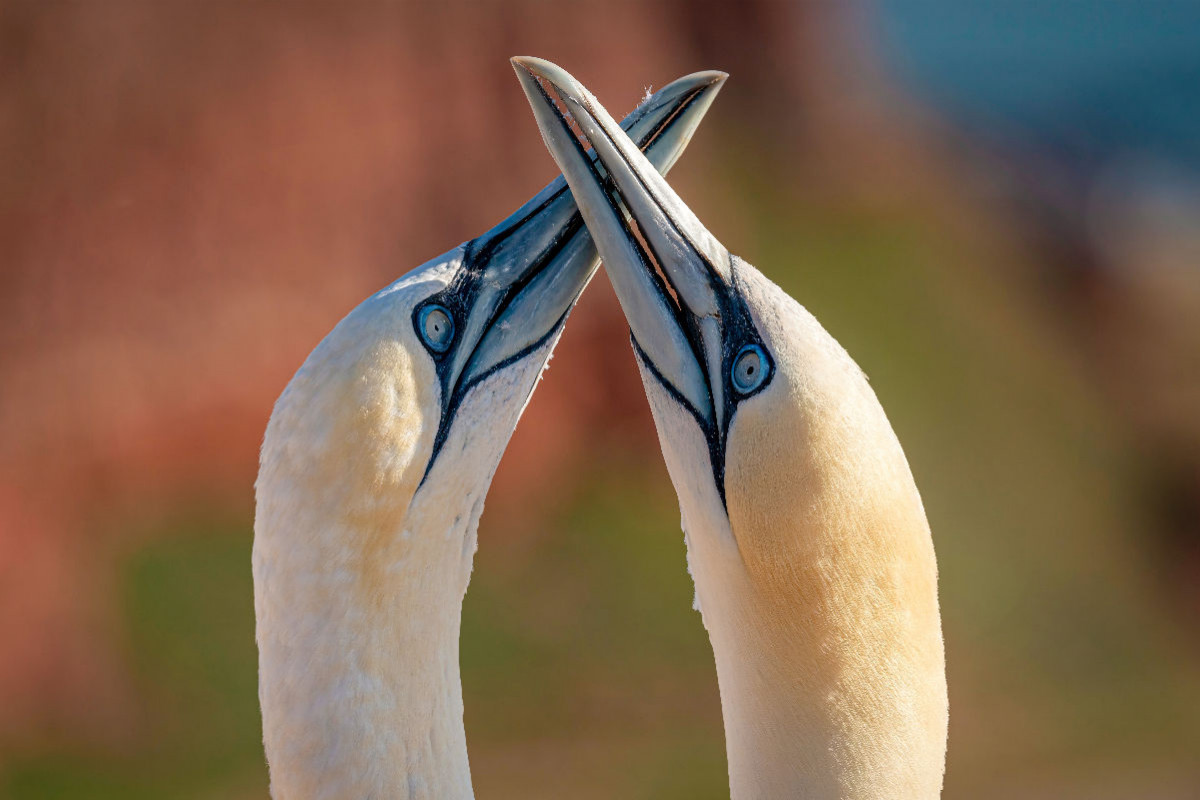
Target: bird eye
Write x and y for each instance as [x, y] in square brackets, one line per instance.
[436, 328]
[749, 369]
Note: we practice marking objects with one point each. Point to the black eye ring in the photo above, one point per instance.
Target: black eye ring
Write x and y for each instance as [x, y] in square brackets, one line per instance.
[435, 326]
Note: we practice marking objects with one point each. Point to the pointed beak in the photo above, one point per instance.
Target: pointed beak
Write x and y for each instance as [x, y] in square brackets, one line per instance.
[521, 279]
[673, 278]
[544, 248]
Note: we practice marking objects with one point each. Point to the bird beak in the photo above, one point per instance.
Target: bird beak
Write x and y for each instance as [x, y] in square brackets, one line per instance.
[525, 275]
[673, 278]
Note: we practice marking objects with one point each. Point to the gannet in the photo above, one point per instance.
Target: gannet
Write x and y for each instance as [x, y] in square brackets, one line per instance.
[373, 473]
[806, 538]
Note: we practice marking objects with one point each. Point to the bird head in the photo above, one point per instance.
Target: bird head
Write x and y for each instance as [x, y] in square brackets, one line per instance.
[419, 388]
[374, 469]
[806, 536]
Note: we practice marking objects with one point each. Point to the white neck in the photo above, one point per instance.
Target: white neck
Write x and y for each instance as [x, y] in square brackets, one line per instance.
[361, 561]
[813, 705]
[359, 667]
[822, 609]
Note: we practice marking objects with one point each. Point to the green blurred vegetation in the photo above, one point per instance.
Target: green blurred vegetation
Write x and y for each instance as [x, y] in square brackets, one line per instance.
[188, 608]
[1061, 660]
[586, 672]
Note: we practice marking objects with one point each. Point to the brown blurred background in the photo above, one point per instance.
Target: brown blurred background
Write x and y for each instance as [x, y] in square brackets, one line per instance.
[993, 205]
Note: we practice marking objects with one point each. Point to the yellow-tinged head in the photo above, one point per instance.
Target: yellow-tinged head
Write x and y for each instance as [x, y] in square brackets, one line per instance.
[374, 469]
[814, 567]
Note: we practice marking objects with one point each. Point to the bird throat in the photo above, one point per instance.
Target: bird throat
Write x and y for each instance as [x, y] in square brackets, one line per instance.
[359, 655]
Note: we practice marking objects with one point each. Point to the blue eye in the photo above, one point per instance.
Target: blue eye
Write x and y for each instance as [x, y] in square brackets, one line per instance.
[749, 369]
[436, 327]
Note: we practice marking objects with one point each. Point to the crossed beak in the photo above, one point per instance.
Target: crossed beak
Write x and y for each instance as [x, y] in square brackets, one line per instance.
[521, 279]
[673, 278]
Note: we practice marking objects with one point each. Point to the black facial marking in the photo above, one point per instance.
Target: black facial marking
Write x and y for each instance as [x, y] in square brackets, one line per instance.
[460, 296]
[736, 325]
[737, 331]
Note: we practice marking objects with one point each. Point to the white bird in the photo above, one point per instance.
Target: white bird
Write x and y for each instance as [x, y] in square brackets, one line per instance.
[806, 538]
[373, 474]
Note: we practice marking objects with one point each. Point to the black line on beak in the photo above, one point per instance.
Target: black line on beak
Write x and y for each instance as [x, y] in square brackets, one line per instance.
[462, 292]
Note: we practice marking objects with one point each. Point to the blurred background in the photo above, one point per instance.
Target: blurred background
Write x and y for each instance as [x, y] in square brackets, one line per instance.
[993, 204]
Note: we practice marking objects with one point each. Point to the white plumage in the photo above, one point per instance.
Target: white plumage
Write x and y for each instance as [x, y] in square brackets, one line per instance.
[373, 474]
[806, 537]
